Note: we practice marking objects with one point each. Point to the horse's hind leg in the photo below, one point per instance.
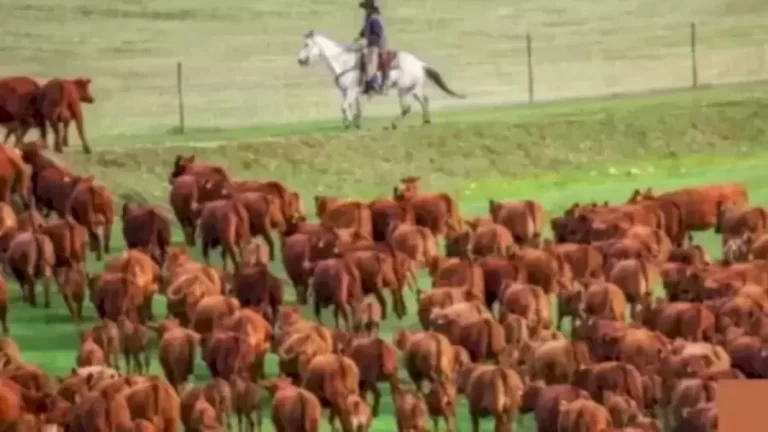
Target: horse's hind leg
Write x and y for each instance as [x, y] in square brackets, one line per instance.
[405, 108]
[423, 100]
[358, 114]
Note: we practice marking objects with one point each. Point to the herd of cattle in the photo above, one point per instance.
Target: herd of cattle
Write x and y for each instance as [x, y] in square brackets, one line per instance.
[489, 331]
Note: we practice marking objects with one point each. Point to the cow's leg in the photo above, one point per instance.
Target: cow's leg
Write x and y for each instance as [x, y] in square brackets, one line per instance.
[81, 132]
[107, 235]
[65, 122]
[270, 242]
[376, 399]
[382, 302]
[56, 127]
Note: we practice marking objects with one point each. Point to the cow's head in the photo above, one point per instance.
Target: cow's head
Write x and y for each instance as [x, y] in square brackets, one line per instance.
[83, 86]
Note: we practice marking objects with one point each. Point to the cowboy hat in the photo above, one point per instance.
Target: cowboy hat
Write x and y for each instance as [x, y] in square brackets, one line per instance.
[369, 5]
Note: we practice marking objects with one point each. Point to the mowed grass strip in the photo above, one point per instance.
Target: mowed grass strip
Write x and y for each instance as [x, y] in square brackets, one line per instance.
[240, 66]
[557, 154]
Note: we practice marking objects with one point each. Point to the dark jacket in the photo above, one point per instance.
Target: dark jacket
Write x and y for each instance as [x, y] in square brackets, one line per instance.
[373, 30]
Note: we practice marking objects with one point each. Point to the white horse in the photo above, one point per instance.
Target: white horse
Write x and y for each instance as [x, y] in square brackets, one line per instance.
[407, 73]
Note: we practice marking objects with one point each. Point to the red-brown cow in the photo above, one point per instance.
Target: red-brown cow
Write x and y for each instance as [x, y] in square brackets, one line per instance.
[18, 107]
[91, 205]
[60, 103]
[146, 229]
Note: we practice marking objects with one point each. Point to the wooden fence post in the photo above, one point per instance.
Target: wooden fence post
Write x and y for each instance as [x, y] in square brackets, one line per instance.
[694, 66]
[180, 91]
[529, 50]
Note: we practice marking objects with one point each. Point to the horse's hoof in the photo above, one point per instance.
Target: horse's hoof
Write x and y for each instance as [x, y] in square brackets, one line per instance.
[427, 122]
[393, 126]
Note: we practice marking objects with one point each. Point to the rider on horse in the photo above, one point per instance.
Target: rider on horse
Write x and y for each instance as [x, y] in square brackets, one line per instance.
[375, 42]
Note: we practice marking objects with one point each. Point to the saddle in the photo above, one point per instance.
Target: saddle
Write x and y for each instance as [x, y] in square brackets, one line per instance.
[386, 57]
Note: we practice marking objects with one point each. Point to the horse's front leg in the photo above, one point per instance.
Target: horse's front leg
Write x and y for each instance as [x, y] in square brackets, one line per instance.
[405, 108]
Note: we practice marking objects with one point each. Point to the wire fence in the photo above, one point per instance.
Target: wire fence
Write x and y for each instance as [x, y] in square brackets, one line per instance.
[232, 75]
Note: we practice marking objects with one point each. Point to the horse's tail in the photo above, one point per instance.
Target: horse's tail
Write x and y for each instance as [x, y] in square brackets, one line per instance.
[437, 79]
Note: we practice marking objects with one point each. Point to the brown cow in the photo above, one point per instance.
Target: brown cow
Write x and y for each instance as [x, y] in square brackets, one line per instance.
[246, 404]
[134, 339]
[417, 243]
[18, 107]
[336, 282]
[441, 404]
[203, 172]
[176, 351]
[300, 250]
[528, 301]
[332, 378]
[698, 204]
[411, 413]
[493, 391]
[557, 361]
[107, 336]
[114, 295]
[31, 257]
[683, 320]
[89, 353]
[15, 176]
[347, 217]
[254, 285]
[386, 212]
[546, 269]
[142, 272]
[636, 278]
[60, 103]
[186, 205]
[69, 240]
[583, 415]
[179, 264]
[91, 205]
[289, 202]
[367, 317]
[293, 408]
[210, 310]
[427, 356]
[524, 219]
[603, 300]
[544, 401]
[436, 211]
[737, 218]
[376, 360]
[146, 229]
[71, 283]
[225, 223]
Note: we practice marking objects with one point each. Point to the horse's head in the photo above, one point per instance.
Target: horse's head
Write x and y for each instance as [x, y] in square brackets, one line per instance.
[310, 50]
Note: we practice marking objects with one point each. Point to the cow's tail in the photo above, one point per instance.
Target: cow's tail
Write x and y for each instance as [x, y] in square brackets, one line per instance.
[440, 358]
[434, 76]
[426, 251]
[40, 264]
[500, 390]
[646, 280]
[454, 219]
[676, 227]
[533, 223]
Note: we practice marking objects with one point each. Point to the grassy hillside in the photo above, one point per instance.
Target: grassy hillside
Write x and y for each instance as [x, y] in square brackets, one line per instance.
[240, 56]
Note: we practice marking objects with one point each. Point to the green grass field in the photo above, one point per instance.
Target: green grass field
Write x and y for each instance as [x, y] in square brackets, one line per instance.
[253, 110]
